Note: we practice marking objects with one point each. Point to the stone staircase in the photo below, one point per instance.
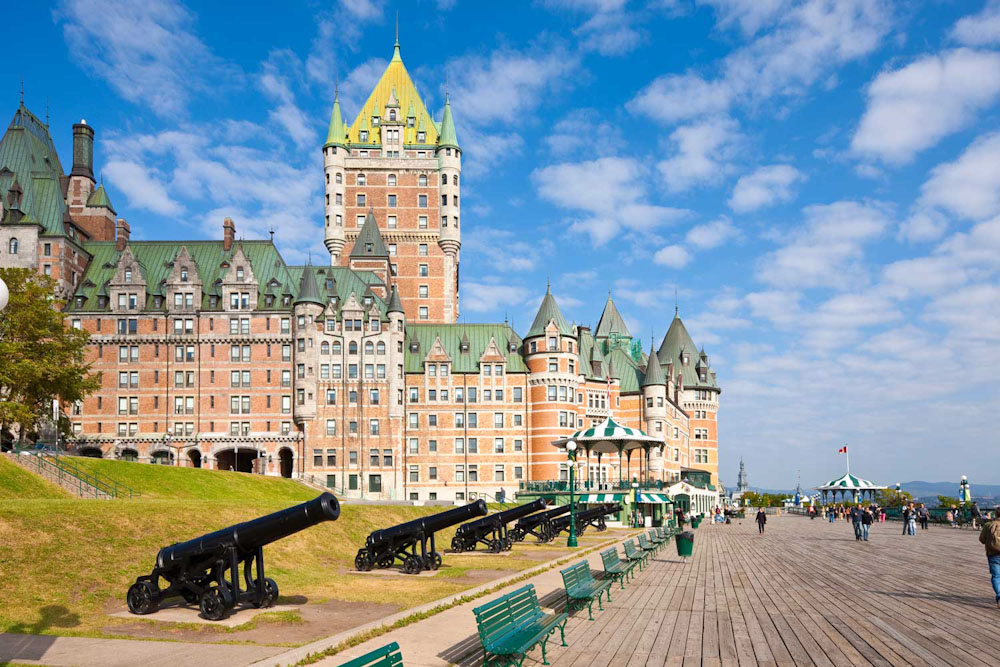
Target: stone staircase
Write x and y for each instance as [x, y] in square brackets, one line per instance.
[68, 475]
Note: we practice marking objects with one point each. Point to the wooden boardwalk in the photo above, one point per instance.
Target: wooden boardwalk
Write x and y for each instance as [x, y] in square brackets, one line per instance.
[805, 593]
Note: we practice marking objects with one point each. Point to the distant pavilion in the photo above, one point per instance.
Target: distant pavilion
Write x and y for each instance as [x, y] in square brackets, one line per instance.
[849, 485]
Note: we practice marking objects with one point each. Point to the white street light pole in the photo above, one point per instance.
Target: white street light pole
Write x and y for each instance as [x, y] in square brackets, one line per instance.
[4, 294]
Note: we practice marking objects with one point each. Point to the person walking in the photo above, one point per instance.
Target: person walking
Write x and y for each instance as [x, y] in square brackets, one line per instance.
[761, 520]
[990, 538]
[856, 520]
[911, 522]
[812, 512]
[867, 519]
[924, 515]
[906, 518]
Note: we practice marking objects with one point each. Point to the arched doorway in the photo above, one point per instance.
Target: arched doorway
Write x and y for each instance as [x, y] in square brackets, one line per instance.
[162, 458]
[194, 456]
[683, 501]
[90, 452]
[285, 460]
[238, 460]
[129, 454]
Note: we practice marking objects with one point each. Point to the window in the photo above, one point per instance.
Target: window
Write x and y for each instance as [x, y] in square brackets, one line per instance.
[423, 313]
[363, 136]
[459, 474]
[422, 201]
[13, 246]
[391, 179]
[414, 420]
[331, 427]
[498, 445]
[432, 472]
[391, 201]
[414, 473]
[375, 483]
[498, 473]
[422, 291]
[361, 199]
[552, 392]
[421, 137]
[373, 427]
[422, 249]
[422, 222]
[473, 420]
[423, 271]
[422, 180]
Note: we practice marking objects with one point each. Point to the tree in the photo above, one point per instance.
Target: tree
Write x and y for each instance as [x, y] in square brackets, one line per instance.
[755, 499]
[948, 502]
[893, 498]
[43, 359]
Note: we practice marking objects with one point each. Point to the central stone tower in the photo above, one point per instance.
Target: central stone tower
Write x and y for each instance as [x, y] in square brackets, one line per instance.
[396, 163]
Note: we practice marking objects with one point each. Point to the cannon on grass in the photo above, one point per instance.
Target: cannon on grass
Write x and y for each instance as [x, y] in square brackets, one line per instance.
[491, 531]
[412, 543]
[206, 570]
[584, 518]
[538, 524]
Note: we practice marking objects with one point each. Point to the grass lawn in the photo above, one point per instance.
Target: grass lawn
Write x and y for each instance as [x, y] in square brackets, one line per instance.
[18, 483]
[68, 562]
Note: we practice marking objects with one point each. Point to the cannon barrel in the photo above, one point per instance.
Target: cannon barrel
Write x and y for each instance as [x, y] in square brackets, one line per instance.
[248, 536]
[502, 518]
[553, 513]
[429, 524]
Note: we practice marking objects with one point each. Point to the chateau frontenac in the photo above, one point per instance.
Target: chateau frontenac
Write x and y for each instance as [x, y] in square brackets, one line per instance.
[356, 374]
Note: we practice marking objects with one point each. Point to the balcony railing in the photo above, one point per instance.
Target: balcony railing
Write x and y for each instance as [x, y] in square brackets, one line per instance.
[585, 486]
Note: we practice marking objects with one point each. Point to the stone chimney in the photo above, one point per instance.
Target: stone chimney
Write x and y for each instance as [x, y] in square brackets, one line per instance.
[228, 234]
[83, 150]
[123, 233]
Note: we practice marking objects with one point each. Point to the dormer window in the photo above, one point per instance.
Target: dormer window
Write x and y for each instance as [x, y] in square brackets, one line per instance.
[240, 274]
[421, 137]
[375, 121]
[410, 121]
[363, 136]
[128, 275]
[414, 346]
[184, 274]
[687, 358]
[102, 302]
[392, 114]
[368, 301]
[369, 247]
[79, 302]
[329, 283]
[464, 346]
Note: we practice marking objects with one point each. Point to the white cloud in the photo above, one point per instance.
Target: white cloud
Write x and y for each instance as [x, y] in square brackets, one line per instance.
[765, 186]
[912, 108]
[704, 151]
[584, 130]
[712, 234]
[673, 256]
[609, 33]
[610, 192]
[969, 187]
[148, 52]
[503, 249]
[751, 16]
[280, 72]
[975, 310]
[805, 44]
[825, 251]
[142, 188]
[982, 29]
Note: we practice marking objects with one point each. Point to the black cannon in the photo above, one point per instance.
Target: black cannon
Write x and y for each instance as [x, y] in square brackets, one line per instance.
[584, 518]
[538, 524]
[197, 570]
[401, 542]
[491, 531]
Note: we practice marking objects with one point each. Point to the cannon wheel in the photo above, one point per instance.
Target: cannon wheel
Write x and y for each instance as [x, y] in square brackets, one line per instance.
[216, 602]
[456, 545]
[435, 560]
[363, 561]
[517, 535]
[189, 596]
[496, 546]
[386, 561]
[142, 598]
[508, 543]
[412, 565]
[270, 593]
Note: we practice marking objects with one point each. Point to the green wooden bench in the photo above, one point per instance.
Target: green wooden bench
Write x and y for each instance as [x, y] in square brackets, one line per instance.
[387, 656]
[513, 624]
[619, 570]
[635, 555]
[582, 588]
[654, 537]
[646, 546]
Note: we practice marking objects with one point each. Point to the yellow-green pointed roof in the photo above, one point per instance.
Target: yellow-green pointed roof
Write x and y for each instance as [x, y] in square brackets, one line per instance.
[395, 77]
[448, 136]
[337, 136]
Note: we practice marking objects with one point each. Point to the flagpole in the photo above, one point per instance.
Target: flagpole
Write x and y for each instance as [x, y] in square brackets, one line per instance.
[847, 453]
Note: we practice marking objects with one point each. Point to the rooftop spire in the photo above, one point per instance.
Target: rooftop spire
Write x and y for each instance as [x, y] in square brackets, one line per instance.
[448, 136]
[397, 28]
[654, 373]
[549, 311]
[336, 135]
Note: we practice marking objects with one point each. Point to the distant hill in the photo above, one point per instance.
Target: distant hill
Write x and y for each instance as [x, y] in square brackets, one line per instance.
[931, 489]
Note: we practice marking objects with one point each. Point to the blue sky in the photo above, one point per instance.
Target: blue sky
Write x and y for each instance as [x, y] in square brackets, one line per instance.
[819, 181]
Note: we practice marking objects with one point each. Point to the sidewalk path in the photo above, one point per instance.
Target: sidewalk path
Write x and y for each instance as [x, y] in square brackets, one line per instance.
[73, 651]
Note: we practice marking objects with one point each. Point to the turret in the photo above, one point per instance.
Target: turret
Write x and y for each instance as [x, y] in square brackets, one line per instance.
[654, 397]
[334, 161]
[450, 159]
[83, 150]
[309, 306]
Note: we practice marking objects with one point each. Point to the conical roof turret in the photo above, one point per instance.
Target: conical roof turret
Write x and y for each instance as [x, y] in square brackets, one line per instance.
[654, 372]
[548, 312]
[308, 290]
[337, 135]
[99, 199]
[611, 321]
[395, 305]
[370, 242]
[448, 136]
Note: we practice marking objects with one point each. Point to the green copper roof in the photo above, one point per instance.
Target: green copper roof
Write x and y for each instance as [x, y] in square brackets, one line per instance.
[451, 335]
[369, 243]
[548, 312]
[678, 343]
[626, 370]
[654, 373]
[340, 282]
[308, 291]
[395, 305]
[611, 321]
[337, 136]
[99, 198]
[448, 137]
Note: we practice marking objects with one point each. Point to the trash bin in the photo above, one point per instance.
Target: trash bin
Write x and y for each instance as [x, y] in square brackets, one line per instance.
[685, 543]
[695, 522]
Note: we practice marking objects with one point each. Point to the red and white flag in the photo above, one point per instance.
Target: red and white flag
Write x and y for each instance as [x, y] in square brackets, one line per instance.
[842, 450]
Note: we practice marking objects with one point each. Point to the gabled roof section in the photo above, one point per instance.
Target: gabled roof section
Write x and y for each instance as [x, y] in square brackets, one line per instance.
[611, 321]
[451, 336]
[395, 77]
[99, 199]
[675, 345]
[549, 312]
[369, 242]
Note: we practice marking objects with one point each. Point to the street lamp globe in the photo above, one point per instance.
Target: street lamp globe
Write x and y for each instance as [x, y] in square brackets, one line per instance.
[4, 294]
[965, 478]
[571, 446]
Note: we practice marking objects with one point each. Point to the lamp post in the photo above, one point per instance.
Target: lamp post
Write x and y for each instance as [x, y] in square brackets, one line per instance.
[571, 452]
[635, 498]
[964, 489]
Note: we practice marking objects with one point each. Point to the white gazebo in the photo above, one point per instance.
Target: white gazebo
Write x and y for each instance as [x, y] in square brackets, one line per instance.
[610, 437]
[849, 485]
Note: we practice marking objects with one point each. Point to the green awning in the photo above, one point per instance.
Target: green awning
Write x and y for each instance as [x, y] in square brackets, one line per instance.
[601, 497]
[655, 498]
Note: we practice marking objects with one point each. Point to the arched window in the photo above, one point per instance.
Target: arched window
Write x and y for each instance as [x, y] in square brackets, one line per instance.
[324, 348]
[422, 180]
[352, 348]
[444, 179]
[361, 179]
[381, 347]
[337, 349]
[369, 347]
[12, 246]
[391, 179]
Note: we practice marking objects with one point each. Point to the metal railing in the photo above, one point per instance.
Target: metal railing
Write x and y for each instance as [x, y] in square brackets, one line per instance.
[57, 474]
[586, 486]
[70, 475]
[101, 482]
[313, 480]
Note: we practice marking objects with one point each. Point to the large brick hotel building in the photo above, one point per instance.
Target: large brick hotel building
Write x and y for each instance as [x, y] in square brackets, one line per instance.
[219, 354]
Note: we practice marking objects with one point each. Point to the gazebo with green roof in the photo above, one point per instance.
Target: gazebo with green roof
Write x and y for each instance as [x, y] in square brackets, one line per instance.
[849, 484]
